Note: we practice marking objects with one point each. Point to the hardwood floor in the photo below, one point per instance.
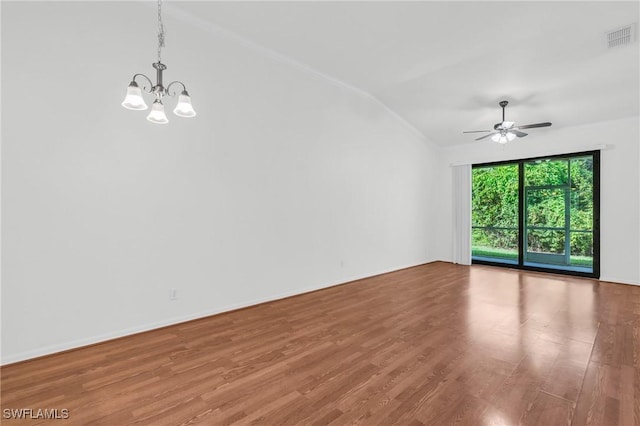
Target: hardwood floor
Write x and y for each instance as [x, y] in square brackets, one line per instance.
[430, 345]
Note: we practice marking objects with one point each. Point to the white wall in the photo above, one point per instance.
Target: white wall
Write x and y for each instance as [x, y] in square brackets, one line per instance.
[619, 189]
[284, 182]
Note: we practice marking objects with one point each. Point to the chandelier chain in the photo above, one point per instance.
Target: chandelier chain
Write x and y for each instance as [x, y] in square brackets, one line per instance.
[160, 31]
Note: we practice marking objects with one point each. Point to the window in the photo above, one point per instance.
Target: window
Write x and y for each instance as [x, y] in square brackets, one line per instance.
[538, 214]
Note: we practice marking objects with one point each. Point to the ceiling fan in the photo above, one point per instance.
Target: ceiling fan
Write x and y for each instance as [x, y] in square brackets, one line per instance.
[506, 131]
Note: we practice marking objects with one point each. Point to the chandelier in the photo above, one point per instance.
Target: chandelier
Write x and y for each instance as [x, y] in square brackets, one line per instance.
[134, 99]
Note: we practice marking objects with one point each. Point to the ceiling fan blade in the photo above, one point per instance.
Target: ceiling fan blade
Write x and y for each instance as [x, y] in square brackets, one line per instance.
[486, 136]
[477, 131]
[518, 133]
[532, 126]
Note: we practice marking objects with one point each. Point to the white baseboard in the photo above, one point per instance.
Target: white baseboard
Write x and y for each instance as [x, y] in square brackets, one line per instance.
[75, 344]
[619, 281]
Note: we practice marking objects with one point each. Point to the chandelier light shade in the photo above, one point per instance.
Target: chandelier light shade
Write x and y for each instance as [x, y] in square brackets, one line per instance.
[184, 108]
[157, 114]
[134, 100]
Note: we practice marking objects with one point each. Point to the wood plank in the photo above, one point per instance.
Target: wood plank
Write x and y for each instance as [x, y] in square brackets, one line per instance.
[600, 401]
[548, 410]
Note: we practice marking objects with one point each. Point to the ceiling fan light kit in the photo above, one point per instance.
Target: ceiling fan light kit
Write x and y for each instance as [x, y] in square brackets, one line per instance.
[500, 138]
[507, 131]
[134, 100]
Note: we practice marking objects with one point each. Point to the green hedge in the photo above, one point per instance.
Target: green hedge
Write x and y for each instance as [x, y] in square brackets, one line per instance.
[495, 204]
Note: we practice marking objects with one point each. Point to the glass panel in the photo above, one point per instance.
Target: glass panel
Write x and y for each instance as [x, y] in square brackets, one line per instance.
[495, 213]
[581, 235]
[495, 243]
[582, 194]
[582, 249]
[546, 207]
[546, 172]
[545, 241]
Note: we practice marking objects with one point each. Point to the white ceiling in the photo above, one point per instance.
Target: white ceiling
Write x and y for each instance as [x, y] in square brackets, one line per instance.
[444, 66]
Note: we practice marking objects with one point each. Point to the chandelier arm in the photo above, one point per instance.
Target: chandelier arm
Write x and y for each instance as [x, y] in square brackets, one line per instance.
[150, 89]
[184, 88]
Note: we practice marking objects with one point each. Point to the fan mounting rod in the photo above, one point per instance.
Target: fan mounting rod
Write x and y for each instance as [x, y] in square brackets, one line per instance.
[503, 104]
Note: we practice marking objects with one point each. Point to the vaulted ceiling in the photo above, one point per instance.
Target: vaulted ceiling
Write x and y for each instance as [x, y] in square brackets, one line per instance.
[444, 66]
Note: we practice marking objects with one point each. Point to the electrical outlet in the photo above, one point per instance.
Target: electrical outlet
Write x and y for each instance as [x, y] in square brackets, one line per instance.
[173, 294]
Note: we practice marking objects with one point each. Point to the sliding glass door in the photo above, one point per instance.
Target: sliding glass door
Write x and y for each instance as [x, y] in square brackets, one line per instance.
[539, 214]
[494, 212]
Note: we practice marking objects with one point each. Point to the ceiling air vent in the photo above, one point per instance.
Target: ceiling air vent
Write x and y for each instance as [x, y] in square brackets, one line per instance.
[621, 37]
